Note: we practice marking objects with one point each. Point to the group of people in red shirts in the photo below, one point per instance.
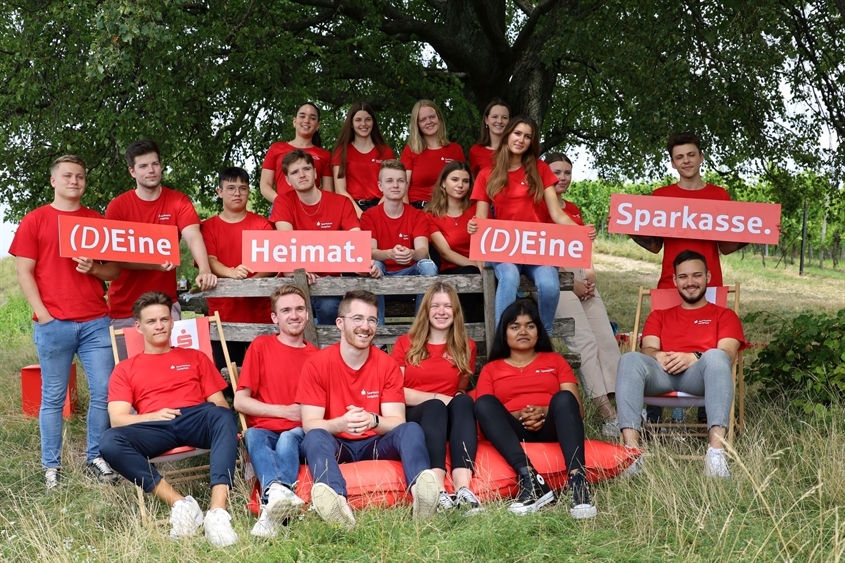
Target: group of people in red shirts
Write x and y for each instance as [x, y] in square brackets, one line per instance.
[425, 197]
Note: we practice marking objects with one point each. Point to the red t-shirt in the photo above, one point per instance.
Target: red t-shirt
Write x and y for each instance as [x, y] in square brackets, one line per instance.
[674, 246]
[693, 330]
[327, 381]
[67, 294]
[480, 157]
[514, 202]
[333, 212]
[362, 170]
[454, 230]
[573, 211]
[278, 151]
[425, 168]
[271, 371]
[183, 377]
[435, 374]
[532, 385]
[171, 208]
[389, 232]
[223, 241]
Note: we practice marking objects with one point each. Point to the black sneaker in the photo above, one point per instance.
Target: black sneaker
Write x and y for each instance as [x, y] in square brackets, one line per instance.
[466, 500]
[582, 506]
[534, 493]
[102, 471]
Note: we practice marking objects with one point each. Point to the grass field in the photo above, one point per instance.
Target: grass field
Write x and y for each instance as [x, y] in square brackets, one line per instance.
[786, 501]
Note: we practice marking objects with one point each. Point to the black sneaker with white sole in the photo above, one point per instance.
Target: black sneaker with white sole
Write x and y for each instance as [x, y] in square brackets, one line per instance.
[534, 493]
[582, 506]
[467, 501]
[102, 471]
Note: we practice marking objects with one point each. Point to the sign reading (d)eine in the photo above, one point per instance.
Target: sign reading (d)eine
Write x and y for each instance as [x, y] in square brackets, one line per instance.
[315, 251]
[541, 244]
[119, 241]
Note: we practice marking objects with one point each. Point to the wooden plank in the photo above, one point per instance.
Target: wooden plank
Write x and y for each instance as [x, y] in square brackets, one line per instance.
[489, 284]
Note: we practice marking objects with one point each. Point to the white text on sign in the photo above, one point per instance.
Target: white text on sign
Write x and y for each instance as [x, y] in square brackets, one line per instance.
[544, 244]
[315, 251]
[124, 241]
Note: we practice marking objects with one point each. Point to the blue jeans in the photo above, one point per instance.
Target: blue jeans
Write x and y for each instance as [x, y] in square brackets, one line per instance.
[56, 342]
[544, 277]
[325, 309]
[424, 267]
[274, 456]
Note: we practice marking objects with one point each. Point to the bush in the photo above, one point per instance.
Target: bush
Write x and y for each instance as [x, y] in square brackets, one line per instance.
[805, 358]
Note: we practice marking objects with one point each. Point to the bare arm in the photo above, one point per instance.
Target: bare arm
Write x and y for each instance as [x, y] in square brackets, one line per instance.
[382, 255]
[392, 415]
[193, 237]
[652, 244]
[247, 404]
[327, 184]
[447, 253]
[218, 399]
[340, 188]
[25, 269]
[120, 414]
[553, 203]
[105, 271]
[267, 184]
[729, 346]
[726, 247]
[312, 418]
[420, 249]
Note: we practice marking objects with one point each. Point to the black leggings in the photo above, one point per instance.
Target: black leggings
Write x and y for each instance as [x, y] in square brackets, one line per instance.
[563, 425]
[455, 421]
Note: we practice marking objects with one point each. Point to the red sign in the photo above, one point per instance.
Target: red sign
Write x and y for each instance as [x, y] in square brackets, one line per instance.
[707, 219]
[120, 241]
[316, 251]
[542, 244]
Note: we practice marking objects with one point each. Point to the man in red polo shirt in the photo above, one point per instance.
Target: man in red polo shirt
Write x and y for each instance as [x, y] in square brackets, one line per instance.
[353, 408]
[164, 398]
[266, 395]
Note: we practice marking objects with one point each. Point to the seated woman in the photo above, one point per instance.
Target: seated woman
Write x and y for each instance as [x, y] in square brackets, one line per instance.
[528, 393]
[593, 337]
[437, 359]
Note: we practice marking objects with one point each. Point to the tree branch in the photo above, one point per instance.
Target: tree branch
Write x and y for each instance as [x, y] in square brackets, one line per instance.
[494, 33]
[527, 32]
[527, 8]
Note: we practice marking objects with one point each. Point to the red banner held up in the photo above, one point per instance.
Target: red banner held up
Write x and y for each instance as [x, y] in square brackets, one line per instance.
[119, 241]
[542, 244]
[707, 219]
[316, 251]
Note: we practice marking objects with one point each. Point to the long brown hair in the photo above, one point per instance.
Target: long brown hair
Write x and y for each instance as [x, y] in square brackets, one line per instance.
[439, 204]
[457, 341]
[502, 157]
[347, 135]
[484, 137]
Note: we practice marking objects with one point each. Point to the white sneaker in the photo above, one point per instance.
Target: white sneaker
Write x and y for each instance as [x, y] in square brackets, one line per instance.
[52, 476]
[446, 502]
[716, 464]
[426, 495]
[264, 527]
[218, 528]
[185, 517]
[282, 504]
[583, 511]
[331, 507]
[634, 468]
[610, 428]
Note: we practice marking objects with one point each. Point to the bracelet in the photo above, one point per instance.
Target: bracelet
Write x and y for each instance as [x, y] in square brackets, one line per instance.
[435, 396]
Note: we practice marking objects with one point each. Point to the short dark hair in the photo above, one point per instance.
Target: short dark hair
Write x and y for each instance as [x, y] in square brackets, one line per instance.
[149, 299]
[138, 148]
[552, 157]
[233, 173]
[293, 156]
[500, 348]
[686, 256]
[367, 297]
[685, 138]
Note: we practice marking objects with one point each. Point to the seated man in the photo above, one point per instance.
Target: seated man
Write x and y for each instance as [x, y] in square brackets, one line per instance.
[176, 394]
[353, 408]
[399, 230]
[689, 347]
[266, 395]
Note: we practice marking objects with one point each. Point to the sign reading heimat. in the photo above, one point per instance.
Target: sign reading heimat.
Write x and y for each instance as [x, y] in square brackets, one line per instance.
[315, 251]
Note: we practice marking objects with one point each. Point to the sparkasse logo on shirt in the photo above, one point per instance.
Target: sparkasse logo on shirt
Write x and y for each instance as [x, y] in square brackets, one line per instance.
[702, 321]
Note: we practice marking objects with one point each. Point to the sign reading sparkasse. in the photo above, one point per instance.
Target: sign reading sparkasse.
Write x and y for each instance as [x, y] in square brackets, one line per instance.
[119, 241]
[708, 219]
[541, 244]
[315, 251]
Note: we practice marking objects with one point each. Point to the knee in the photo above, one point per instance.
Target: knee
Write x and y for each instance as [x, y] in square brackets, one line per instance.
[427, 267]
[316, 438]
[109, 444]
[224, 420]
[380, 266]
[486, 404]
[564, 401]
[461, 403]
[411, 431]
[716, 357]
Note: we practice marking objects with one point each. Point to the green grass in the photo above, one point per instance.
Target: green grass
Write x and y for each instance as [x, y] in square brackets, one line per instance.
[786, 500]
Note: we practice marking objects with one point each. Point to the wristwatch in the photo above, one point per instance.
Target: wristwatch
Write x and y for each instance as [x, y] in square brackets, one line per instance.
[375, 420]
[697, 355]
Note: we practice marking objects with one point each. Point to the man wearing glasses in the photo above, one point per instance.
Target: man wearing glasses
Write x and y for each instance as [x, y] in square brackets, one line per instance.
[222, 237]
[353, 408]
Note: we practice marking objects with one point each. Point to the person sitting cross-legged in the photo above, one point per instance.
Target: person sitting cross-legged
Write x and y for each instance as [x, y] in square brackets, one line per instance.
[266, 395]
[689, 347]
[177, 397]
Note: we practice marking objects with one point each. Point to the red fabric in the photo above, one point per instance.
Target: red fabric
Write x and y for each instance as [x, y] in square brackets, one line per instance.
[171, 208]
[362, 170]
[271, 371]
[327, 381]
[514, 203]
[333, 212]
[454, 230]
[674, 246]
[67, 294]
[693, 330]
[389, 232]
[425, 168]
[573, 211]
[278, 151]
[480, 157]
[187, 333]
[533, 385]
[435, 374]
[223, 241]
[182, 377]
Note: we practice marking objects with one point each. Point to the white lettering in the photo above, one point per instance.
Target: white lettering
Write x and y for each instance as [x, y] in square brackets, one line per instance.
[738, 227]
[506, 239]
[706, 223]
[95, 238]
[254, 250]
[117, 238]
[528, 242]
[722, 223]
[623, 210]
[659, 218]
[643, 218]
[688, 218]
[754, 224]
[163, 247]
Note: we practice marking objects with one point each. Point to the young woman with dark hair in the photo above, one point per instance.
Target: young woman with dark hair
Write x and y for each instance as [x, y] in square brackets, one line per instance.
[493, 123]
[528, 393]
[449, 212]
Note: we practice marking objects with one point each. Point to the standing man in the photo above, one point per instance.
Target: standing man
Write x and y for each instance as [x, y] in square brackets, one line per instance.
[353, 408]
[71, 317]
[222, 237]
[689, 347]
[266, 395]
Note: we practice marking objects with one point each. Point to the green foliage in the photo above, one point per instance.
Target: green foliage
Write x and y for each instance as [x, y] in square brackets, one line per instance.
[15, 318]
[805, 359]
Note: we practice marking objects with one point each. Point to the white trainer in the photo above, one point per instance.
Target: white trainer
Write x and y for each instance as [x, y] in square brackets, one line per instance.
[331, 507]
[426, 495]
[185, 518]
[716, 464]
[610, 428]
[264, 527]
[218, 528]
